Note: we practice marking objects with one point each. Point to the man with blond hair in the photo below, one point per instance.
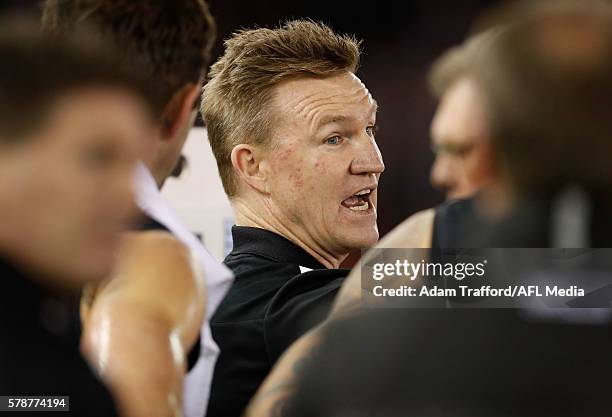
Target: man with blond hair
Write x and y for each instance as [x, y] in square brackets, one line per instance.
[292, 129]
[460, 138]
[546, 80]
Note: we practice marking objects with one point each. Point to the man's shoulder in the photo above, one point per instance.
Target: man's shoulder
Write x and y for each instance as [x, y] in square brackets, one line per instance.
[248, 265]
[256, 282]
[430, 227]
[264, 286]
[154, 271]
[454, 222]
[142, 253]
[301, 304]
[308, 286]
[414, 232]
[280, 310]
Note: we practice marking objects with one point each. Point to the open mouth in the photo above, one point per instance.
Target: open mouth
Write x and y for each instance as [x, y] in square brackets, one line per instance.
[360, 201]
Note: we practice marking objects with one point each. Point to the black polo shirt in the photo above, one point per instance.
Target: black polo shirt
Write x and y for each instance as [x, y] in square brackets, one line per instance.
[39, 349]
[279, 293]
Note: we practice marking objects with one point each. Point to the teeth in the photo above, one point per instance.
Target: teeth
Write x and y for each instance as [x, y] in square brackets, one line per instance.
[360, 207]
[366, 191]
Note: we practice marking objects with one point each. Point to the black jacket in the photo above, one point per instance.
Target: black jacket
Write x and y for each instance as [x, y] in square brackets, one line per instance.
[279, 293]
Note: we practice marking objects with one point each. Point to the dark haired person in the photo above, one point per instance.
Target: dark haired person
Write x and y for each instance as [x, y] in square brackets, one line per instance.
[72, 125]
[145, 327]
[292, 129]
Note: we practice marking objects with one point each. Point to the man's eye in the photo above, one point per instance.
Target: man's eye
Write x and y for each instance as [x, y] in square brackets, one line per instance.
[371, 130]
[452, 150]
[334, 140]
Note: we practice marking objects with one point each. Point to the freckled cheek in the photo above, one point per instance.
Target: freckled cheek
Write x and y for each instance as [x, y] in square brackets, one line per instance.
[320, 177]
[297, 179]
[325, 180]
[284, 153]
[321, 167]
[284, 161]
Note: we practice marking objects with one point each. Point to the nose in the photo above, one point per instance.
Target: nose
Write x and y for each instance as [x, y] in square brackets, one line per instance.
[443, 176]
[369, 160]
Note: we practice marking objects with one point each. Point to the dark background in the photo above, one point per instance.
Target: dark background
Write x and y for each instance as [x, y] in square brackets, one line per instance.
[401, 39]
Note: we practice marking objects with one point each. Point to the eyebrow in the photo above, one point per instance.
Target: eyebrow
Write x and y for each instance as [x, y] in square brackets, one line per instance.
[340, 118]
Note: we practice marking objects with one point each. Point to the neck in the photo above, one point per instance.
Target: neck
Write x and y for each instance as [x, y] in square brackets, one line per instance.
[495, 200]
[159, 177]
[246, 216]
[153, 159]
[13, 234]
[157, 172]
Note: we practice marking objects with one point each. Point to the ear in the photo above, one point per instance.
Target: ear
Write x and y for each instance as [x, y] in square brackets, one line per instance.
[250, 167]
[179, 110]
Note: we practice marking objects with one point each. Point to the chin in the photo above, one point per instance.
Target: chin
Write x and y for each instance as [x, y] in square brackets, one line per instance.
[362, 239]
[86, 274]
[101, 266]
[77, 276]
[102, 272]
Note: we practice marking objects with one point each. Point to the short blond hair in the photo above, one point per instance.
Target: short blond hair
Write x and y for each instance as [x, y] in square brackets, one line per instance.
[458, 62]
[236, 99]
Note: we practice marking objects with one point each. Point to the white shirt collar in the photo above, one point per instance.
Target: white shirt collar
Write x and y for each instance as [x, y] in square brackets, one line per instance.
[153, 203]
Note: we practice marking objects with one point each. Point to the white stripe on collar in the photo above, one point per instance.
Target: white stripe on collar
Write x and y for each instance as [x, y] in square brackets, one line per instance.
[304, 269]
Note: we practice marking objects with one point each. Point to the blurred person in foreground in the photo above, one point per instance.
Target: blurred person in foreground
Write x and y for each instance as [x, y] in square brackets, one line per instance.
[72, 125]
[292, 129]
[461, 139]
[146, 327]
[546, 78]
[464, 160]
[460, 363]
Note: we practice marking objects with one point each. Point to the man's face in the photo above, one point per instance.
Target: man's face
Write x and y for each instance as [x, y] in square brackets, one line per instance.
[67, 189]
[464, 156]
[325, 163]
